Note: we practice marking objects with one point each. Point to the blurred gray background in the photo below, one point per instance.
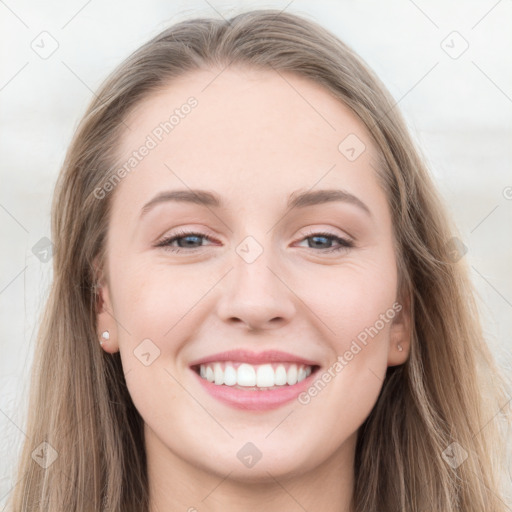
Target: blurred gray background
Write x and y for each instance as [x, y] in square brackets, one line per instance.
[447, 65]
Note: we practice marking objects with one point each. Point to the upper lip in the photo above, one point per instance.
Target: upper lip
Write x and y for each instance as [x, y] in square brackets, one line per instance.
[244, 356]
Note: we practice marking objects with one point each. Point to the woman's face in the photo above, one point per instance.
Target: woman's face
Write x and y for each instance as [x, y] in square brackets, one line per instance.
[255, 277]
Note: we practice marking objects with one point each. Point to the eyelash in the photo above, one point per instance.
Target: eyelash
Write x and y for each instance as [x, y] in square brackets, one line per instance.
[166, 242]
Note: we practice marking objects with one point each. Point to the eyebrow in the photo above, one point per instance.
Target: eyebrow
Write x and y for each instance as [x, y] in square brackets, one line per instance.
[296, 199]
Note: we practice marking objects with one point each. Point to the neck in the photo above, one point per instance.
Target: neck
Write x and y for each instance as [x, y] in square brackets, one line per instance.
[177, 485]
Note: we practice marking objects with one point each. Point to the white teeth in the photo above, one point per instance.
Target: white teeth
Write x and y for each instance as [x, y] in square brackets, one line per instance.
[265, 376]
[292, 375]
[280, 375]
[248, 375]
[218, 373]
[229, 375]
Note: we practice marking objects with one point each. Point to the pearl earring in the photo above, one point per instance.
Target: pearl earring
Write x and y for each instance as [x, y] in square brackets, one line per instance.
[400, 348]
[105, 336]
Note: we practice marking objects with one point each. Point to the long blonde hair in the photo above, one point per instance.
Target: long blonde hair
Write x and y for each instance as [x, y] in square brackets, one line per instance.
[449, 391]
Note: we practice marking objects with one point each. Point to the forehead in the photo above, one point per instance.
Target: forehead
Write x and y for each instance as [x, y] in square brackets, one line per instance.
[249, 129]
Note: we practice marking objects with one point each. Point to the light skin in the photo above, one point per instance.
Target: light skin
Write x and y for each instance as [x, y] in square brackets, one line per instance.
[252, 140]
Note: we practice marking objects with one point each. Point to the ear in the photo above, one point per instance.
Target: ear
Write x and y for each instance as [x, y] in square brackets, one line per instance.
[105, 320]
[400, 333]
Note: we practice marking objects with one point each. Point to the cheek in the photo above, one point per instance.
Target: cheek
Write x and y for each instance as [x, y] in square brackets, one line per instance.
[356, 305]
[152, 298]
[350, 298]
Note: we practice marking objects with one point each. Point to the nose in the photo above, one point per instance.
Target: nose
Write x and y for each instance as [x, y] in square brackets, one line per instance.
[255, 295]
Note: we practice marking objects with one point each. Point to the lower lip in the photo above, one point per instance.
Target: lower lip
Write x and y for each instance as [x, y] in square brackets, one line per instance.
[255, 400]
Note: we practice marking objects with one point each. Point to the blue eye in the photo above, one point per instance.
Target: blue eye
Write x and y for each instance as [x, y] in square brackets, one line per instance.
[191, 238]
[190, 235]
[344, 244]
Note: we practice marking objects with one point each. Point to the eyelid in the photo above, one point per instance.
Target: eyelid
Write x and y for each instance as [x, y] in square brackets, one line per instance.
[179, 231]
[182, 233]
[317, 230]
[188, 229]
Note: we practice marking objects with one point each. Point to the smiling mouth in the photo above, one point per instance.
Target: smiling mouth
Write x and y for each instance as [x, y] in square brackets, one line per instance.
[251, 377]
